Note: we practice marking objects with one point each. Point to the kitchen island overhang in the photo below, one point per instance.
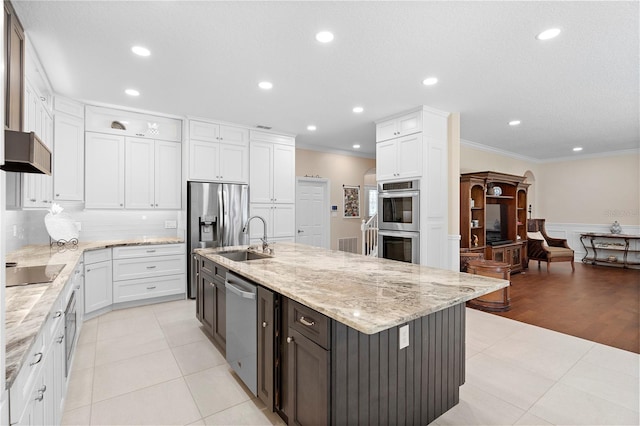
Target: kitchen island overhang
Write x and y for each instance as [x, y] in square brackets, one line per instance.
[371, 301]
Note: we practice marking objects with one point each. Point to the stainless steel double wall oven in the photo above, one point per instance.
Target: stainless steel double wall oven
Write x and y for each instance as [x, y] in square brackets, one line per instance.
[399, 221]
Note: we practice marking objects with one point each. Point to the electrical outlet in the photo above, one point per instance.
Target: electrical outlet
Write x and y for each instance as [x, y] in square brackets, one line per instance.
[170, 224]
[404, 336]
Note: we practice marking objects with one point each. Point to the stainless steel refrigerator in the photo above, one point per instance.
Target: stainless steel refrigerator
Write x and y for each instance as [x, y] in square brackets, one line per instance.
[216, 214]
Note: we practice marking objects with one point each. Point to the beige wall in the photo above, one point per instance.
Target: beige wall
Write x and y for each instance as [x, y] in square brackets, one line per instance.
[590, 191]
[340, 170]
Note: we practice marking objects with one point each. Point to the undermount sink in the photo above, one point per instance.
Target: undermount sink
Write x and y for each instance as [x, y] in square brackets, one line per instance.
[243, 255]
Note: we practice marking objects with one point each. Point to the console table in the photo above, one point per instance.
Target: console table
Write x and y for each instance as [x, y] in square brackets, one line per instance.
[612, 249]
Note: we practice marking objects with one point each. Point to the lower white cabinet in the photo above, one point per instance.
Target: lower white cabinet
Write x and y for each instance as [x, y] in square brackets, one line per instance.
[145, 272]
[98, 282]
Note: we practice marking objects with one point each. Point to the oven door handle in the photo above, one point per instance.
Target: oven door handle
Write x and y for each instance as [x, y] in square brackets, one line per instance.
[403, 234]
[398, 194]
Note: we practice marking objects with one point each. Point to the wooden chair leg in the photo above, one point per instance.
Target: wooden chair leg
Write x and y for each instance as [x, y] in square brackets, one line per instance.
[548, 265]
[538, 264]
[573, 268]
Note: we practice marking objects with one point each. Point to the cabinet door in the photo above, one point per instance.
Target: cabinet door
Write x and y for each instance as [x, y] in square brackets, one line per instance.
[234, 163]
[256, 229]
[98, 286]
[237, 135]
[308, 381]
[386, 130]
[284, 220]
[386, 157]
[203, 131]
[220, 315]
[104, 177]
[168, 175]
[31, 196]
[409, 149]
[498, 254]
[139, 173]
[260, 176]
[284, 173]
[410, 123]
[204, 159]
[68, 158]
[266, 339]
[59, 366]
[207, 289]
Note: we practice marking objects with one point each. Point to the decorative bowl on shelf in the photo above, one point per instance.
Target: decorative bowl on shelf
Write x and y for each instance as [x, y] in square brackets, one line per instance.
[612, 259]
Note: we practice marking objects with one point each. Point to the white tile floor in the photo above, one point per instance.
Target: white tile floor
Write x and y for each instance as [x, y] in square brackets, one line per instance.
[154, 365]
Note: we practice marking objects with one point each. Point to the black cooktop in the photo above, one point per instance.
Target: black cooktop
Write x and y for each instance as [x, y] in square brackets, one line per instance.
[23, 275]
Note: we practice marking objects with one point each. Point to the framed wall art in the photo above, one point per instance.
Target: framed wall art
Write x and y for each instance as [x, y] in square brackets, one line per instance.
[351, 201]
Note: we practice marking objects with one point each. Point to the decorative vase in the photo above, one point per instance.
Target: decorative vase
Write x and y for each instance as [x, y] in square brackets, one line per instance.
[616, 228]
[61, 228]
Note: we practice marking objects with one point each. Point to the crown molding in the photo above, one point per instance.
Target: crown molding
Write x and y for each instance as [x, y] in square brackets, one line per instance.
[319, 148]
[578, 157]
[486, 148]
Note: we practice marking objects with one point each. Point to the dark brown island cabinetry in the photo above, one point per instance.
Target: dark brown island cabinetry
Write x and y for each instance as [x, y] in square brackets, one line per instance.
[266, 347]
[211, 300]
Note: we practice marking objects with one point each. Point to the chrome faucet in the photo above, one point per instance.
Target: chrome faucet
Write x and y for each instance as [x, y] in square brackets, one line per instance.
[265, 243]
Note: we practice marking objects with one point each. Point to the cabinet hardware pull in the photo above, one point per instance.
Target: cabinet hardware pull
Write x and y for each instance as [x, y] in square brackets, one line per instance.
[289, 339]
[151, 205]
[151, 251]
[33, 200]
[57, 195]
[212, 284]
[120, 204]
[39, 355]
[306, 322]
[58, 314]
[151, 287]
[77, 272]
[60, 338]
[151, 267]
[264, 324]
[88, 270]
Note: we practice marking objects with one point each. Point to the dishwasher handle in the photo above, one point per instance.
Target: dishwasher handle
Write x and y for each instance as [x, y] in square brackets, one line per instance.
[235, 288]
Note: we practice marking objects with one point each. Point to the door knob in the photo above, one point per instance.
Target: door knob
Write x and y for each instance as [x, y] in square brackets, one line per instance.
[300, 231]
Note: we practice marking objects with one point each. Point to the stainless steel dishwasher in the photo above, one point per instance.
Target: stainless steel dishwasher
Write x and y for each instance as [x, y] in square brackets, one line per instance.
[242, 332]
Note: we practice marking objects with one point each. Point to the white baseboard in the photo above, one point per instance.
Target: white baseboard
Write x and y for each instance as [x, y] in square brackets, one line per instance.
[454, 252]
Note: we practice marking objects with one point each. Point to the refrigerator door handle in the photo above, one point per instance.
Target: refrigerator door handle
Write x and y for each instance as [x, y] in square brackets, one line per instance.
[222, 222]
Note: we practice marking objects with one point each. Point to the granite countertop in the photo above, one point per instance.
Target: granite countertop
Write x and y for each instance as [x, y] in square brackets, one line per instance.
[368, 294]
[29, 306]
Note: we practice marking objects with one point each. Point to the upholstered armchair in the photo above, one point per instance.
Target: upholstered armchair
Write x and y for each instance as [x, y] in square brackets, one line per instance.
[543, 248]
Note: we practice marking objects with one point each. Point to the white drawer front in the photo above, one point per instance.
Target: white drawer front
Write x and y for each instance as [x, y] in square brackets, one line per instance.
[147, 288]
[148, 250]
[23, 387]
[95, 256]
[129, 269]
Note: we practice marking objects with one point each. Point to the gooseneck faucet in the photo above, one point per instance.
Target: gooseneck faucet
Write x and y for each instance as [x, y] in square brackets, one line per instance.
[265, 243]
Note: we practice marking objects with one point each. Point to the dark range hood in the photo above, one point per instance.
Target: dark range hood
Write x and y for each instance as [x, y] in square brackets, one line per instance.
[24, 152]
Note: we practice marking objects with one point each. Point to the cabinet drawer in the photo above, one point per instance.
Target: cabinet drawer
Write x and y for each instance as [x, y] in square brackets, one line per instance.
[128, 269]
[146, 288]
[212, 269]
[148, 250]
[309, 323]
[95, 256]
[23, 387]
[56, 316]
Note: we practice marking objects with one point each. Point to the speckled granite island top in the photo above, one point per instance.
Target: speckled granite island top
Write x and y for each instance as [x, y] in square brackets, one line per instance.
[28, 307]
[365, 293]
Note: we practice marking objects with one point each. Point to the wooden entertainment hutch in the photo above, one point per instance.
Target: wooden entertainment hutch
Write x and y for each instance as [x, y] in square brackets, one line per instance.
[477, 192]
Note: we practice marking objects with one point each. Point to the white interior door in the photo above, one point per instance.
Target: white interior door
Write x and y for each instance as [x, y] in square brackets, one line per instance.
[312, 212]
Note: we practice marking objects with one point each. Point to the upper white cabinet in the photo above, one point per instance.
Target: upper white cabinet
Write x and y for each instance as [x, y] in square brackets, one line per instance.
[152, 174]
[105, 171]
[68, 157]
[127, 123]
[272, 170]
[398, 126]
[218, 152]
[399, 158]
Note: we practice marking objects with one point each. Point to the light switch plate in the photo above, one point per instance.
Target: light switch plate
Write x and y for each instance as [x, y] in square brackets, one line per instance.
[404, 336]
[170, 224]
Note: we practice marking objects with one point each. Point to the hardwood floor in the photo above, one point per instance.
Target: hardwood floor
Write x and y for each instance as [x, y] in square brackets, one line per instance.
[597, 303]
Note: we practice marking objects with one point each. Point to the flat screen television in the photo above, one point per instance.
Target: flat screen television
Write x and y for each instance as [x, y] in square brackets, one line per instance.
[496, 223]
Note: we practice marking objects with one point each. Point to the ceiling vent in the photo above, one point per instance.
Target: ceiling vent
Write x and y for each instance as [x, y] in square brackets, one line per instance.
[260, 126]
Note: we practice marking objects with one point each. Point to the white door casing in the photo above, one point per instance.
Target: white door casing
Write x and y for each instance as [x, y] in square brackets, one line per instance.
[312, 212]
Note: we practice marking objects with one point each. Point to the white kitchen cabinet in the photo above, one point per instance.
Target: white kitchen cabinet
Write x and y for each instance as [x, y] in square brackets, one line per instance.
[146, 272]
[218, 152]
[68, 157]
[399, 158]
[98, 282]
[152, 174]
[402, 125]
[126, 123]
[272, 177]
[280, 220]
[105, 171]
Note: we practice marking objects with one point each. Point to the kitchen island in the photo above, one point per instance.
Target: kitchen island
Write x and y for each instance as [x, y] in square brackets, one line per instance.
[388, 344]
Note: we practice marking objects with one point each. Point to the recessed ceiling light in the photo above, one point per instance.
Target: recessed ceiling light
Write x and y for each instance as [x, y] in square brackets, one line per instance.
[514, 122]
[324, 37]
[132, 92]
[548, 34]
[430, 81]
[358, 109]
[577, 148]
[356, 146]
[266, 85]
[142, 51]
[311, 127]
